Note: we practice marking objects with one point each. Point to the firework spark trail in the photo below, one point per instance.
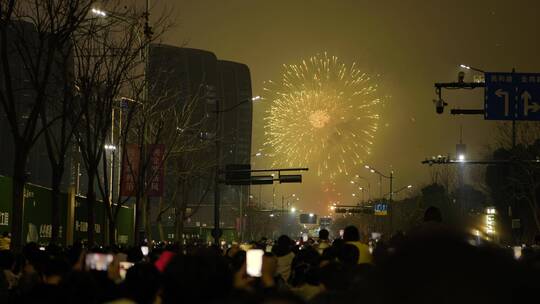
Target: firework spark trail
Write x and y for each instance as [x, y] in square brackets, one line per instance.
[323, 115]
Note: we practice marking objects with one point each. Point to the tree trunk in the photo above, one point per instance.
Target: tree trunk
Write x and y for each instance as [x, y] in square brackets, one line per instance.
[90, 203]
[112, 232]
[147, 219]
[55, 202]
[159, 220]
[179, 228]
[17, 190]
[139, 205]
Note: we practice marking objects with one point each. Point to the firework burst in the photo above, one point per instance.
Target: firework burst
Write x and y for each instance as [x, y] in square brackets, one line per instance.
[323, 115]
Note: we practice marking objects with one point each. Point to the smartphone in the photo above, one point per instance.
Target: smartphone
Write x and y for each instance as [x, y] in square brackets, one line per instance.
[124, 266]
[98, 261]
[268, 248]
[254, 259]
[42, 248]
[341, 231]
[145, 250]
[305, 237]
[517, 252]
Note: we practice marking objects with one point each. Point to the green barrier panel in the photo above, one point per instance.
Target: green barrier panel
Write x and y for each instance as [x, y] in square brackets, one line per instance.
[124, 225]
[80, 231]
[37, 215]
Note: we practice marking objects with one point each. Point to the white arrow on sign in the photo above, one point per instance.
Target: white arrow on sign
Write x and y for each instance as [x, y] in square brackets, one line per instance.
[527, 104]
[501, 93]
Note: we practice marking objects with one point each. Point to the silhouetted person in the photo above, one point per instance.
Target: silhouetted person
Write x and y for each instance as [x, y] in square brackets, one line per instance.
[142, 283]
[432, 214]
[285, 256]
[349, 255]
[352, 236]
[323, 242]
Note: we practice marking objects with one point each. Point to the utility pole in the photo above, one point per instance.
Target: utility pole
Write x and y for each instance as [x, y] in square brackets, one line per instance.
[216, 232]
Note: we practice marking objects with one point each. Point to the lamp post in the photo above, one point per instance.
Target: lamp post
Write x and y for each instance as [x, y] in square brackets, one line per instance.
[362, 188]
[401, 189]
[283, 199]
[391, 178]
[111, 148]
[467, 67]
[381, 175]
[147, 31]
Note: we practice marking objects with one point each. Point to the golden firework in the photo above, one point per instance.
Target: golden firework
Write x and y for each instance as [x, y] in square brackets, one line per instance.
[323, 115]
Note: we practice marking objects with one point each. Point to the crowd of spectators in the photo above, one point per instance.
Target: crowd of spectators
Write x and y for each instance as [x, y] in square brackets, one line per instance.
[431, 264]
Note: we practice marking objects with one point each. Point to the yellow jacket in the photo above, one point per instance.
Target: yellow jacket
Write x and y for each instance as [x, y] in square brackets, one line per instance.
[365, 255]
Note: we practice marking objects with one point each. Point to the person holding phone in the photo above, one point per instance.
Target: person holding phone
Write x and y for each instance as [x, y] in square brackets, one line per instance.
[258, 272]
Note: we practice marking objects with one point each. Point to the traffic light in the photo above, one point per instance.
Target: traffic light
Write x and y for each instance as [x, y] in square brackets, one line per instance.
[238, 174]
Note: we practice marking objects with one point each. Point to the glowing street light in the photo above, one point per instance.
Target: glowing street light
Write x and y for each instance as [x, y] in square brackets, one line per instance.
[311, 215]
[98, 12]
[293, 210]
[110, 147]
[467, 67]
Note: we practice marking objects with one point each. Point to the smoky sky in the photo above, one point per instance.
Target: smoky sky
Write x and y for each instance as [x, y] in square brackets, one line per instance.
[410, 44]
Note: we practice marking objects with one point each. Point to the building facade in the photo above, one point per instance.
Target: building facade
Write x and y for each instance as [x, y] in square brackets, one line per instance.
[221, 91]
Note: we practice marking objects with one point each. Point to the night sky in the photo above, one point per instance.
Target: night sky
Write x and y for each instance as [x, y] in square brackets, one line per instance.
[411, 44]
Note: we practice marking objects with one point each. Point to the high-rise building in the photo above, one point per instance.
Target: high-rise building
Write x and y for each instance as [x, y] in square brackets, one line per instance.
[38, 168]
[185, 74]
[236, 122]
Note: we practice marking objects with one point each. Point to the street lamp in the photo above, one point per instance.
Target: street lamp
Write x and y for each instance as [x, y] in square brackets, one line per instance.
[403, 188]
[147, 31]
[293, 210]
[362, 188]
[381, 175]
[283, 199]
[98, 12]
[467, 67]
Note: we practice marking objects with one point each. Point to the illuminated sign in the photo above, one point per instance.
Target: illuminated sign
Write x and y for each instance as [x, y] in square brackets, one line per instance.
[490, 220]
[380, 209]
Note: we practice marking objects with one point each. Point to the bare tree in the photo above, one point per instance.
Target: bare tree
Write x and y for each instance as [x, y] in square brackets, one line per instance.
[108, 62]
[522, 146]
[190, 171]
[32, 35]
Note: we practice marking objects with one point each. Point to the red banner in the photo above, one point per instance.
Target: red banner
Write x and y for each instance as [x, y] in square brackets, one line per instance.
[130, 170]
[156, 170]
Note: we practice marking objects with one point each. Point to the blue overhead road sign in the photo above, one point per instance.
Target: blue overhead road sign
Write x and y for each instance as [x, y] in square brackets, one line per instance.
[512, 96]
